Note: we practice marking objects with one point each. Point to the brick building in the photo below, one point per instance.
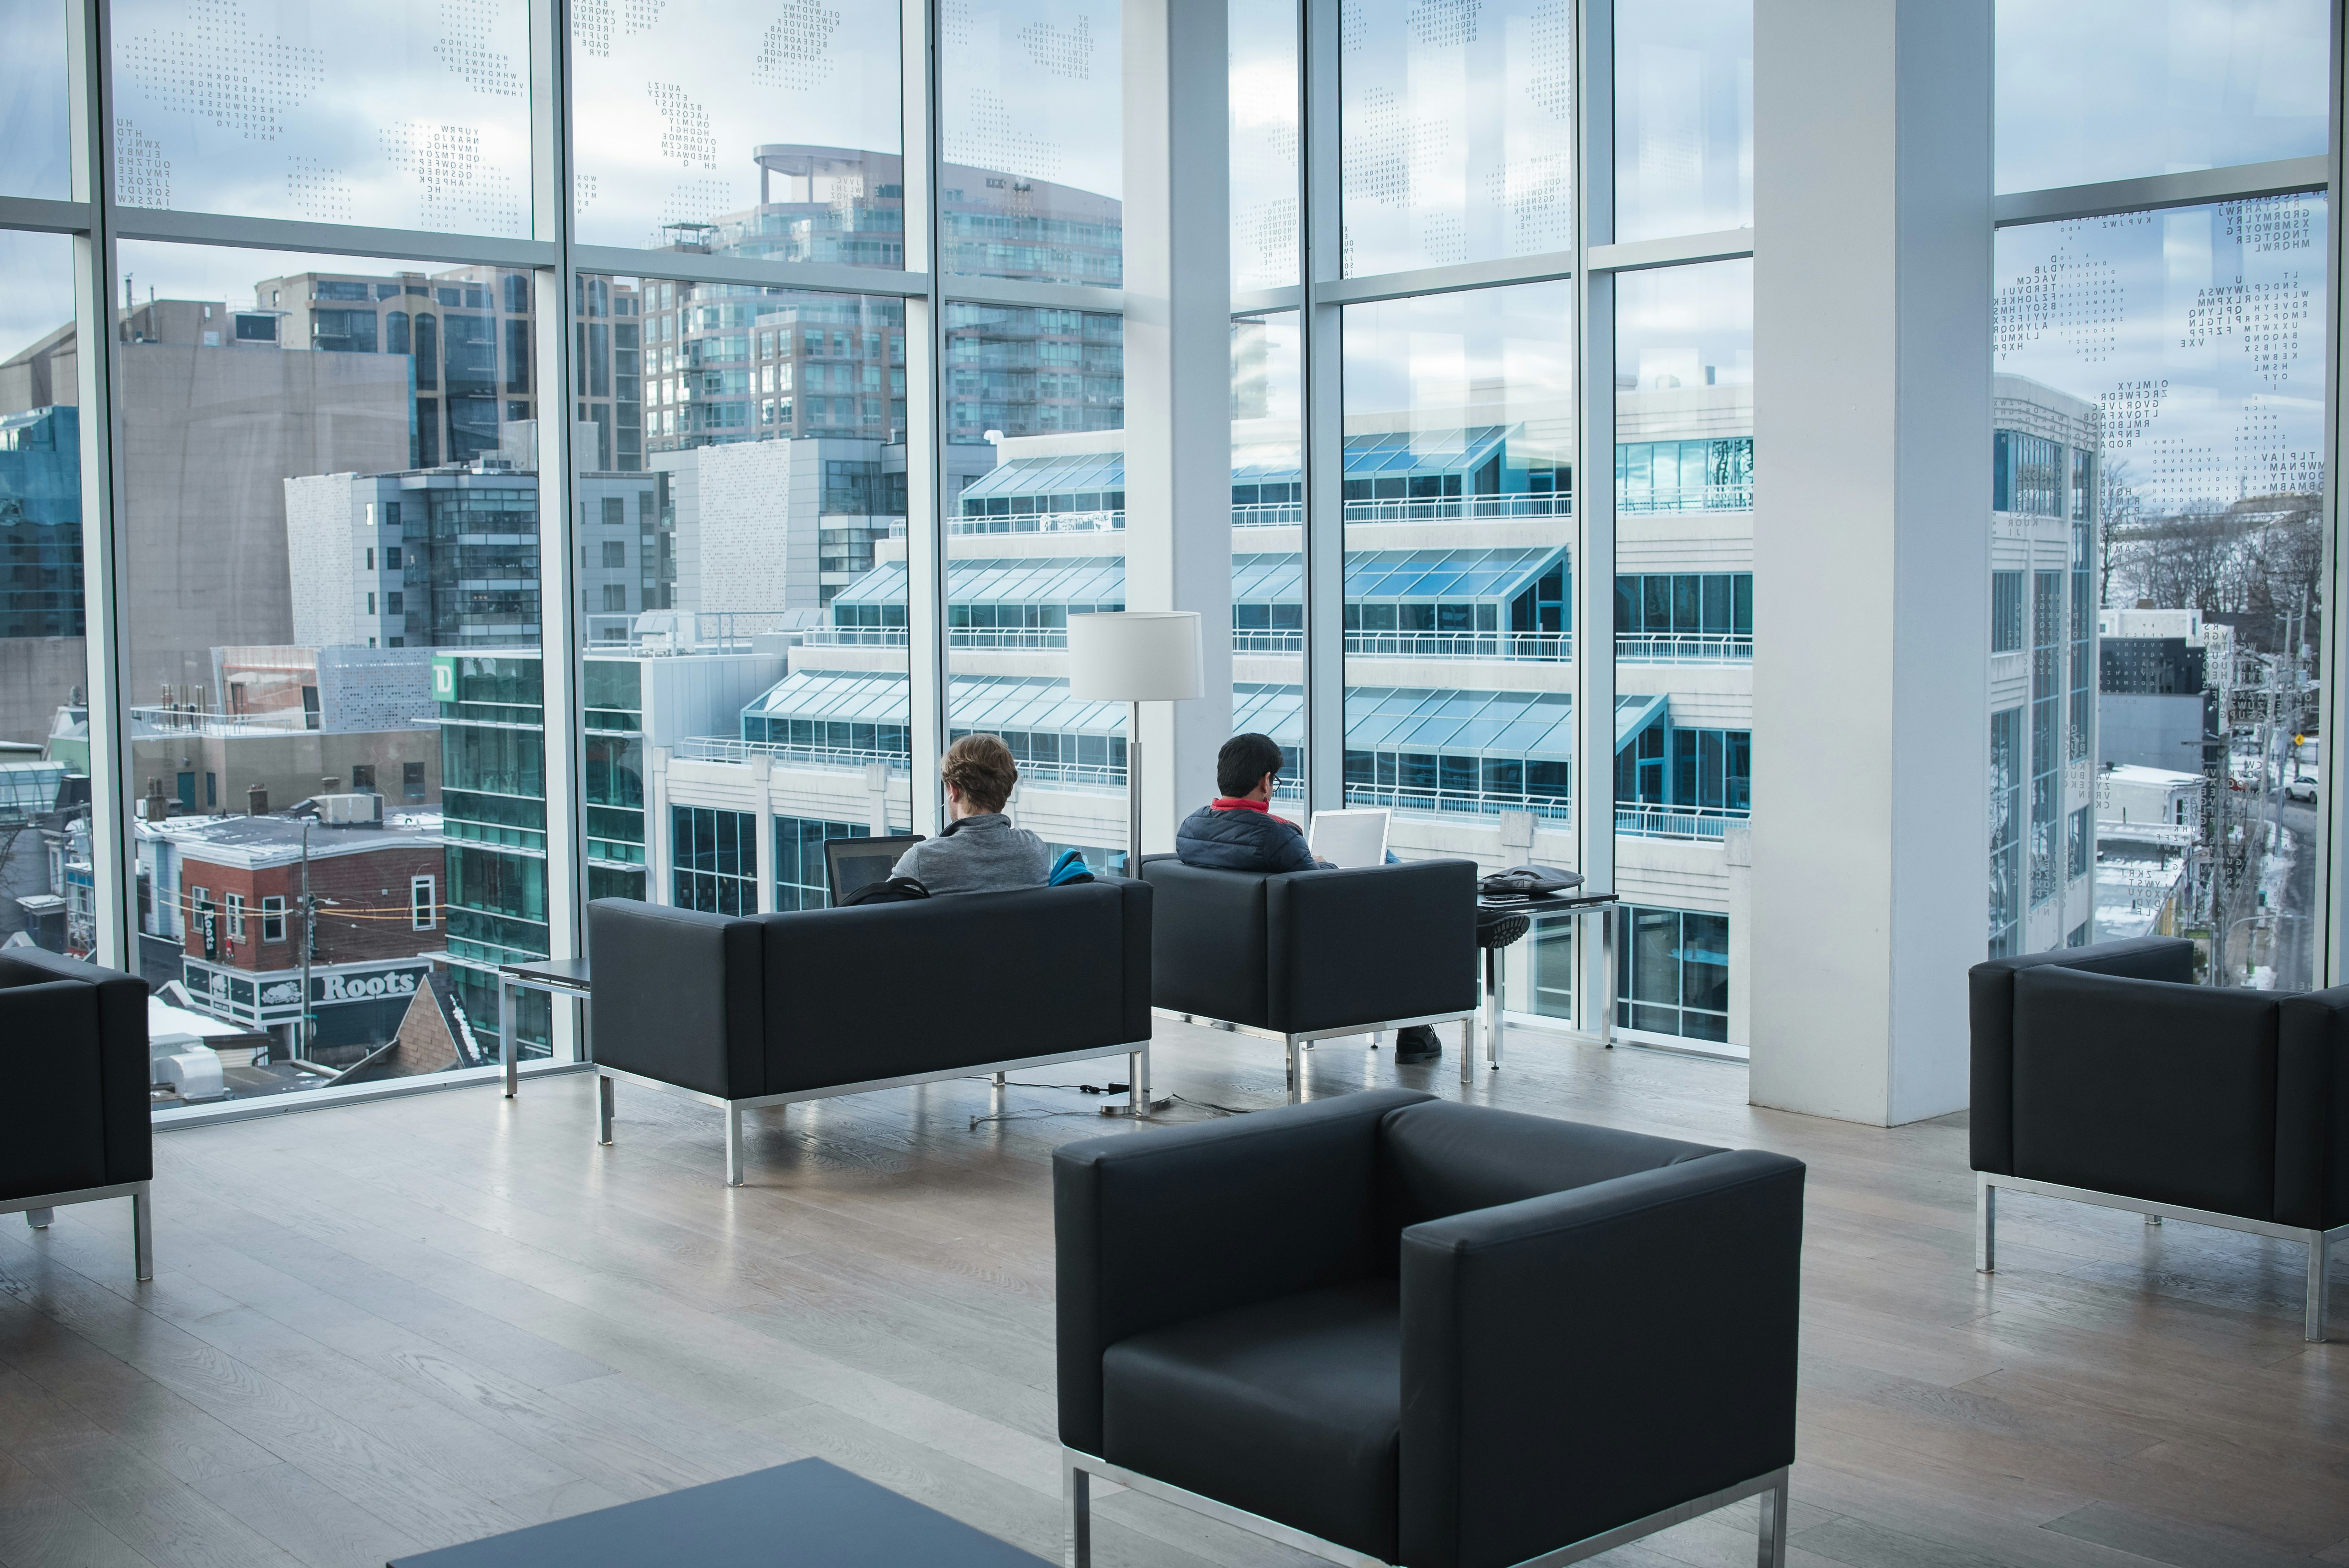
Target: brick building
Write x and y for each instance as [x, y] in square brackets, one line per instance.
[226, 904]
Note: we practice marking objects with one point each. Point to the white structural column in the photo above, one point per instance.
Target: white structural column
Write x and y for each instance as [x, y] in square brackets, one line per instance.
[1871, 346]
[925, 595]
[1320, 251]
[555, 292]
[1178, 379]
[1591, 616]
[106, 555]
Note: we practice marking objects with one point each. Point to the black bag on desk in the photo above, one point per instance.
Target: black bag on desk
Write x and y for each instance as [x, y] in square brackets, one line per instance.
[1527, 882]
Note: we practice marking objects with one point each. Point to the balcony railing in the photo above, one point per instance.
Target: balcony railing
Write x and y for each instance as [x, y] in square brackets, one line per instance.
[1686, 822]
[181, 718]
[1549, 647]
[1449, 802]
[1708, 648]
[1459, 508]
[1687, 498]
[724, 749]
[1106, 521]
[1289, 514]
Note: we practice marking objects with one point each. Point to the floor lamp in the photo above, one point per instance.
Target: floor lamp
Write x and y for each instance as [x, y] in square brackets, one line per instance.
[1134, 656]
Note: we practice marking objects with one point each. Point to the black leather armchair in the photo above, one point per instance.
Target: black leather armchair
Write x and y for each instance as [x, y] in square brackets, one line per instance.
[2104, 1075]
[1301, 956]
[1459, 1338]
[773, 1009]
[74, 1124]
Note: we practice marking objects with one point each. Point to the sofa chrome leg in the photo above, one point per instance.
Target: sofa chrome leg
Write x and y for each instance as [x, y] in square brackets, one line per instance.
[1137, 1082]
[1296, 1073]
[40, 1219]
[603, 1110]
[1077, 1514]
[1771, 1551]
[1985, 1224]
[2312, 1330]
[143, 1233]
[2153, 1218]
[733, 1146]
[1467, 1051]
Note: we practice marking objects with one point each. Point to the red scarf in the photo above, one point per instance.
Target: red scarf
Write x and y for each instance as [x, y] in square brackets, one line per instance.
[1226, 803]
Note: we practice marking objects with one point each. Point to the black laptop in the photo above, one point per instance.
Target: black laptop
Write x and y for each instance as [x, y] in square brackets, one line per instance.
[852, 863]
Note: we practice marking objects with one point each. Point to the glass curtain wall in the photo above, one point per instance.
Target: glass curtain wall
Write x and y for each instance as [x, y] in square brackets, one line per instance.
[330, 512]
[1268, 542]
[44, 657]
[1459, 570]
[1682, 468]
[1684, 634]
[333, 524]
[742, 591]
[2158, 513]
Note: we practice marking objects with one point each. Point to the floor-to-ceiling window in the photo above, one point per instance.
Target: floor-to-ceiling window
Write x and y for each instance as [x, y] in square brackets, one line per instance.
[817, 346]
[1683, 470]
[2158, 486]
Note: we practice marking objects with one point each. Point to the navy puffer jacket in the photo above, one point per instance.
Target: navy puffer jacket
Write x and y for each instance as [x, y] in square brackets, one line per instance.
[1241, 841]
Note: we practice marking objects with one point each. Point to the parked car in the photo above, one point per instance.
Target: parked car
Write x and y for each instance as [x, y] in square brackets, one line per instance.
[2302, 788]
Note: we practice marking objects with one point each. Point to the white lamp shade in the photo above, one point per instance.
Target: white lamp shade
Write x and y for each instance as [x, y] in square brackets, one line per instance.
[1134, 655]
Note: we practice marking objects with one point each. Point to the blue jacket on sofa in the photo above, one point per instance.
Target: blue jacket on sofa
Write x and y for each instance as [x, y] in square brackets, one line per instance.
[1238, 839]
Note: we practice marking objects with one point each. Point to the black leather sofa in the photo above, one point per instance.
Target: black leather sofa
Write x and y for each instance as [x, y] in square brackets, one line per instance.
[1387, 1328]
[74, 1124]
[1301, 956]
[773, 1009]
[2103, 1074]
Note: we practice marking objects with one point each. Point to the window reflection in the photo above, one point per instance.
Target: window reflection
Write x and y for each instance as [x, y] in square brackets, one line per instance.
[1683, 117]
[2157, 475]
[1459, 131]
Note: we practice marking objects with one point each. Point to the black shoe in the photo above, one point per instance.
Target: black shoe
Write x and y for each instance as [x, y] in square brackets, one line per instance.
[1417, 1044]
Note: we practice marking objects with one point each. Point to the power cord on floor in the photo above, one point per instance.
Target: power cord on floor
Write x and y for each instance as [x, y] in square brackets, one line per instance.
[1022, 1116]
[1085, 1089]
[1211, 1105]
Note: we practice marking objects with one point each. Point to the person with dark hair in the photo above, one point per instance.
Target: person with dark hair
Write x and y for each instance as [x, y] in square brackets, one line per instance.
[1236, 831]
[980, 851]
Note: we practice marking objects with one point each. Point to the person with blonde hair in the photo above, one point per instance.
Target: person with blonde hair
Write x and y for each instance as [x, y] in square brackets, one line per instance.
[980, 851]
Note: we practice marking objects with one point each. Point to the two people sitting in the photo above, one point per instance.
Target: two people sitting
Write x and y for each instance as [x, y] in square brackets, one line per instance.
[1236, 831]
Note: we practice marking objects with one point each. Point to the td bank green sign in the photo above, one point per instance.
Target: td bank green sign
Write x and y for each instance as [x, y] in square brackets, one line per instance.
[444, 678]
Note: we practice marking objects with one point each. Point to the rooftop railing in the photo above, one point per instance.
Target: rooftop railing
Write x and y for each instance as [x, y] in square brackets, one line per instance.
[184, 718]
[1105, 521]
[1287, 514]
[1459, 508]
[1549, 647]
[1685, 822]
[1642, 648]
[1687, 498]
[725, 749]
[1462, 802]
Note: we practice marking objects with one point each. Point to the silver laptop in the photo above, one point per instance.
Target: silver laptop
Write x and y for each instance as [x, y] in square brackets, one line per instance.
[1356, 837]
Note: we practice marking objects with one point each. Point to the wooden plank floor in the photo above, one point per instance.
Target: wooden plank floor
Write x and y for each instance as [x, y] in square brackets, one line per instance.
[403, 1325]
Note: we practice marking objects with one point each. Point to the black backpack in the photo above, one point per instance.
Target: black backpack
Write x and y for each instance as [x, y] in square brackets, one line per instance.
[889, 890]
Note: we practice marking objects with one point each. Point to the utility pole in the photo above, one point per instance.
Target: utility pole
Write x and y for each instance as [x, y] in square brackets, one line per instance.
[309, 938]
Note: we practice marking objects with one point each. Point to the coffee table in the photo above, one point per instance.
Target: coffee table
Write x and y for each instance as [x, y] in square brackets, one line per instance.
[807, 1514]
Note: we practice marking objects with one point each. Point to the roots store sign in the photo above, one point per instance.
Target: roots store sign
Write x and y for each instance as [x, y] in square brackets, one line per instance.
[265, 1000]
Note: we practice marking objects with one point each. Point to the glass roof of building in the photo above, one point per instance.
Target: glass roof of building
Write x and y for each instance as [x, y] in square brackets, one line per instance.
[1388, 454]
[1634, 713]
[1495, 723]
[1047, 580]
[1051, 475]
[1381, 718]
[1450, 574]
